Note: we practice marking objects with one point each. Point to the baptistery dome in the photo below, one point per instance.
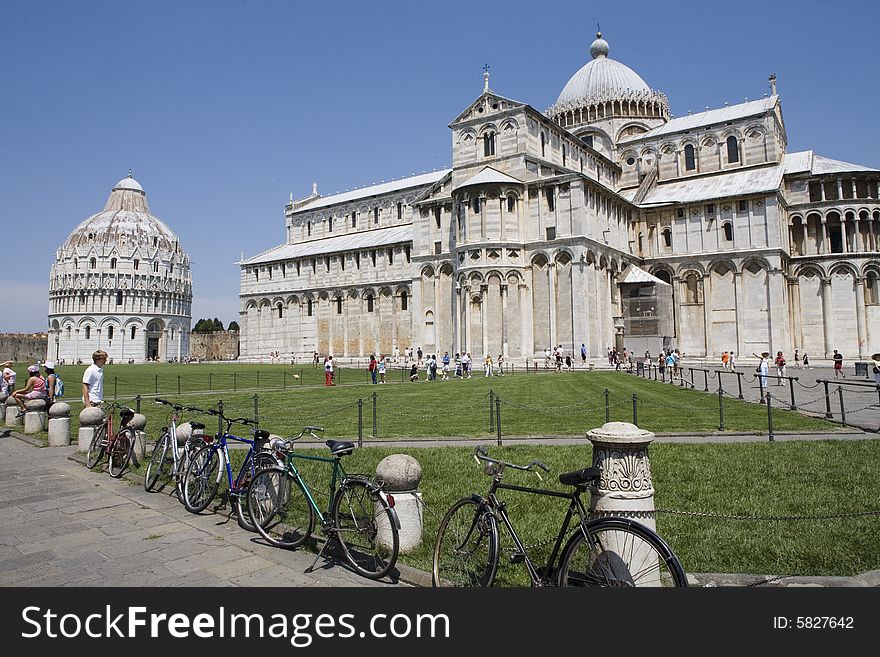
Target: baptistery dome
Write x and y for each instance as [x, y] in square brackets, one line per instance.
[121, 283]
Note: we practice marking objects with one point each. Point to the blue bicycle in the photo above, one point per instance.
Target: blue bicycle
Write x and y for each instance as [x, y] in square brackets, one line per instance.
[203, 473]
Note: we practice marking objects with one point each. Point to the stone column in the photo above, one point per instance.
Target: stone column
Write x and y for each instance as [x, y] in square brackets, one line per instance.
[738, 301]
[484, 317]
[825, 245]
[36, 419]
[503, 291]
[438, 338]
[12, 417]
[826, 316]
[861, 317]
[551, 302]
[468, 318]
[399, 475]
[625, 488]
[89, 419]
[138, 423]
[59, 424]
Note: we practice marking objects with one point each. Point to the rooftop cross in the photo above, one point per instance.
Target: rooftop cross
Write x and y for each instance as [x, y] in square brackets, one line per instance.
[485, 77]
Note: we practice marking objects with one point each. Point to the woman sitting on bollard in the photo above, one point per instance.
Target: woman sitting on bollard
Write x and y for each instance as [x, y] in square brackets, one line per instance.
[35, 388]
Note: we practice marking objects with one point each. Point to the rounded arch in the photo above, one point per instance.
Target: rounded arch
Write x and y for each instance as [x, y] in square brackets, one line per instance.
[691, 265]
[632, 128]
[264, 303]
[513, 278]
[796, 219]
[563, 256]
[809, 270]
[539, 260]
[86, 321]
[366, 293]
[722, 266]
[475, 277]
[871, 266]
[446, 269]
[509, 125]
[427, 271]
[108, 321]
[488, 127]
[755, 263]
[277, 301]
[385, 291]
[843, 268]
[352, 294]
[292, 300]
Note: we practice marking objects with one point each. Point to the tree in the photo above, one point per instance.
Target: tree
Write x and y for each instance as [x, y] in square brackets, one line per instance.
[218, 325]
[233, 326]
[204, 326]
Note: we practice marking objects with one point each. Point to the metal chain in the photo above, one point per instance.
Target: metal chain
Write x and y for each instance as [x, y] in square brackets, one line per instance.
[707, 514]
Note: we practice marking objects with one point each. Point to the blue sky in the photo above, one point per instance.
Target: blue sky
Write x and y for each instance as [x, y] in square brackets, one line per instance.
[222, 109]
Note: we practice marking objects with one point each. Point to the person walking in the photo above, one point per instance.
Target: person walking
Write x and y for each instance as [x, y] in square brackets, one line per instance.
[797, 360]
[373, 368]
[499, 369]
[763, 372]
[807, 365]
[661, 366]
[670, 365]
[725, 360]
[583, 353]
[93, 380]
[458, 365]
[838, 364]
[488, 365]
[780, 367]
[567, 363]
[7, 383]
[732, 362]
[382, 369]
[328, 371]
[468, 364]
[876, 369]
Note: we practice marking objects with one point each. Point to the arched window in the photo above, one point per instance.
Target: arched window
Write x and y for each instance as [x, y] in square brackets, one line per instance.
[339, 305]
[728, 231]
[690, 161]
[543, 144]
[369, 303]
[872, 288]
[404, 301]
[118, 297]
[667, 237]
[137, 264]
[511, 203]
[732, 150]
[133, 331]
[280, 312]
[309, 307]
[112, 263]
[93, 263]
[109, 332]
[692, 289]
[156, 266]
[88, 332]
[489, 144]
[476, 204]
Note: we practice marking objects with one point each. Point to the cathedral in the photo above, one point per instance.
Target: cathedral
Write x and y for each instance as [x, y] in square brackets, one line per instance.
[120, 283]
[602, 221]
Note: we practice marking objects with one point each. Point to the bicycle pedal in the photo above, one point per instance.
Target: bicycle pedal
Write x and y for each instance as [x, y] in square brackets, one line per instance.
[517, 557]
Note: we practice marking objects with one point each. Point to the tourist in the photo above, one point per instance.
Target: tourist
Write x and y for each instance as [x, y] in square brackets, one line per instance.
[732, 362]
[807, 365]
[763, 372]
[780, 367]
[432, 365]
[328, 371]
[381, 369]
[419, 353]
[7, 384]
[725, 360]
[488, 365]
[35, 388]
[93, 380]
[396, 354]
[445, 369]
[467, 364]
[316, 358]
[797, 360]
[838, 364]
[876, 359]
[52, 381]
[499, 365]
[414, 372]
[661, 365]
[567, 363]
[583, 353]
[458, 374]
[373, 367]
[670, 365]
[547, 358]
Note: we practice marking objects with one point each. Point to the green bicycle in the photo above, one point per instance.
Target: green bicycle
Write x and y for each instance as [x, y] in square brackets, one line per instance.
[360, 516]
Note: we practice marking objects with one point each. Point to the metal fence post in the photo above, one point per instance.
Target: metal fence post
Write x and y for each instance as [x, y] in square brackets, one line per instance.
[115, 384]
[491, 411]
[300, 377]
[842, 409]
[791, 381]
[360, 422]
[769, 417]
[692, 378]
[498, 418]
[761, 384]
[234, 381]
[284, 380]
[828, 413]
[210, 381]
[156, 383]
[706, 380]
[256, 411]
[607, 409]
[739, 383]
[375, 418]
[137, 403]
[178, 385]
[720, 406]
[220, 418]
[635, 410]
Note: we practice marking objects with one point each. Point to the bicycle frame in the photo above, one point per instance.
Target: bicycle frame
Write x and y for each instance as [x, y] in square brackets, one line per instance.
[499, 508]
[222, 446]
[338, 474]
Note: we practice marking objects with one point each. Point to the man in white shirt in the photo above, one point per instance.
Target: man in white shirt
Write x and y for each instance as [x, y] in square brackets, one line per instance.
[93, 380]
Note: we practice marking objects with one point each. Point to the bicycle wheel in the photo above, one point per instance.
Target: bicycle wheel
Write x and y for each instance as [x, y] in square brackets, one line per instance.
[366, 528]
[279, 508]
[261, 460]
[185, 454]
[202, 479]
[120, 452]
[618, 552]
[466, 549]
[158, 467]
[96, 447]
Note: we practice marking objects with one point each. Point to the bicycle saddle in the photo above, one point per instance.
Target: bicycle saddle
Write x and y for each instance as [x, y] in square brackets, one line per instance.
[261, 434]
[196, 425]
[578, 477]
[340, 447]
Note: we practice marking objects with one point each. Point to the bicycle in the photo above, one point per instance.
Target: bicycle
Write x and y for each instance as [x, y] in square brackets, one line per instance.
[607, 551]
[202, 477]
[118, 446]
[169, 459]
[360, 515]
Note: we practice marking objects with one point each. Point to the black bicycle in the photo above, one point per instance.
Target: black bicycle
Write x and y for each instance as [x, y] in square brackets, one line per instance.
[603, 552]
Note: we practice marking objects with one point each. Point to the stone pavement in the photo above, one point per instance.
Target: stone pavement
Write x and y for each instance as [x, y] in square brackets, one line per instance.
[64, 525]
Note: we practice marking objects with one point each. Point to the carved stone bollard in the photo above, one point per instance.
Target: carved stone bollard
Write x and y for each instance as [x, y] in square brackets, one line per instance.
[400, 475]
[59, 424]
[138, 423]
[625, 488]
[89, 419]
[12, 417]
[36, 419]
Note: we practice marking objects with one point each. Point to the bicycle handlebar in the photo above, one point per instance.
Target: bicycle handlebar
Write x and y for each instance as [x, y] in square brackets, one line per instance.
[179, 407]
[481, 454]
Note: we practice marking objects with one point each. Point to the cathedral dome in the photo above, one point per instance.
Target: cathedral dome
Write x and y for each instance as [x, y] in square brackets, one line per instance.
[601, 78]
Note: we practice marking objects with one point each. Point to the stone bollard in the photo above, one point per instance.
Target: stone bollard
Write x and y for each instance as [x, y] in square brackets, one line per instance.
[400, 475]
[89, 419]
[138, 423]
[36, 419]
[59, 424]
[12, 417]
[625, 488]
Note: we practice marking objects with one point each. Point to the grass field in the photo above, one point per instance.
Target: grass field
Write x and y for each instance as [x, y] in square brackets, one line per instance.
[541, 404]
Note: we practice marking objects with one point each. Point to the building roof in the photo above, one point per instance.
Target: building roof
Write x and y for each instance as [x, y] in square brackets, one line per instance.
[634, 274]
[718, 186]
[347, 242]
[808, 162]
[801, 162]
[490, 176]
[711, 117]
[601, 77]
[374, 190]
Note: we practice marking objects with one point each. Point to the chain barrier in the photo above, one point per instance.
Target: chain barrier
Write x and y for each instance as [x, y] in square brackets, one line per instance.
[762, 518]
[553, 411]
[806, 386]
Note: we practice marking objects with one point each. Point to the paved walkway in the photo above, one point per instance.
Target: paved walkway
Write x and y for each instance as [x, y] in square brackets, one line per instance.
[64, 525]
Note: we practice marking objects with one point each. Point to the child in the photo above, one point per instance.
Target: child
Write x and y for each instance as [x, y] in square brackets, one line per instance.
[414, 372]
[381, 369]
